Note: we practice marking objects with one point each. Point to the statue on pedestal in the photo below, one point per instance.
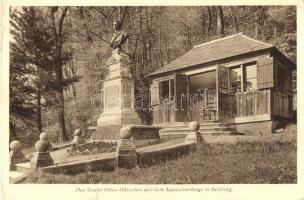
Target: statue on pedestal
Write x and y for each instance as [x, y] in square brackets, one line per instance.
[119, 62]
[120, 36]
[118, 89]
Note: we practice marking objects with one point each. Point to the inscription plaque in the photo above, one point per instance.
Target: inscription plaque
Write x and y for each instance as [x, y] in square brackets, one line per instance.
[112, 96]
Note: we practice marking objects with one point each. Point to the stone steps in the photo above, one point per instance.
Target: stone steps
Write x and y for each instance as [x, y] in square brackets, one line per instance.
[16, 177]
[186, 129]
[24, 167]
[206, 128]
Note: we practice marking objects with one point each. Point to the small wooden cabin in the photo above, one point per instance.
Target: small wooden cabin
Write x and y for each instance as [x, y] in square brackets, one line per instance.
[236, 80]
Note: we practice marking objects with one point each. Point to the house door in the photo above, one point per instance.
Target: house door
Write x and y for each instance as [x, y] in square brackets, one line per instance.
[222, 74]
[181, 105]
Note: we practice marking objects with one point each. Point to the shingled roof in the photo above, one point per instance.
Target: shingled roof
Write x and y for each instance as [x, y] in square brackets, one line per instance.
[214, 50]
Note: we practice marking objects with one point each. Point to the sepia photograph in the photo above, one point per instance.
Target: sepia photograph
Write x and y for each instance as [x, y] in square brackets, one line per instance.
[153, 95]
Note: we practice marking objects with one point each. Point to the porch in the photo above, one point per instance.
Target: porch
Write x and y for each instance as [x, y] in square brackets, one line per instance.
[241, 107]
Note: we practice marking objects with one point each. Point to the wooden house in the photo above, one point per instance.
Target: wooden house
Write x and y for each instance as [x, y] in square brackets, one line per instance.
[234, 80]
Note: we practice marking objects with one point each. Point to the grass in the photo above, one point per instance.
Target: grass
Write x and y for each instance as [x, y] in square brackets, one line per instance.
[240, 163]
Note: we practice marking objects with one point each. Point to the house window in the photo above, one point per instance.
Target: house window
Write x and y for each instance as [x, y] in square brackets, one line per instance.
[243, 78]
[250, 78]
[167, 88]
[235, 74]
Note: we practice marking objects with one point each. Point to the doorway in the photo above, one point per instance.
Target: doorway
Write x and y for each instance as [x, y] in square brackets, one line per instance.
[202, 96]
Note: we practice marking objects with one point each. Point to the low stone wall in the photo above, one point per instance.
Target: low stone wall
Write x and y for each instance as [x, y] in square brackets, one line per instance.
[147, 158]
[101, 164]
[127, 156]
[144, 132]
[110, 132]
[142, 143]
[255, 128]
[61, 146]
[144, 158]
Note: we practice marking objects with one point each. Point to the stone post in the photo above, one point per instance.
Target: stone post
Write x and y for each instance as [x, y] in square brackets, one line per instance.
[16, 155]
[126, 150]
[42, 157]
[194, 136]
[78, 137]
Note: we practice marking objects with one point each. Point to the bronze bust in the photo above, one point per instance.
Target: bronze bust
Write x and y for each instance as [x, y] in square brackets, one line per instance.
[120, 36]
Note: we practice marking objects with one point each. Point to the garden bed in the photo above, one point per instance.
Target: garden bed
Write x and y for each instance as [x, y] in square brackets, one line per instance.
[95, 147]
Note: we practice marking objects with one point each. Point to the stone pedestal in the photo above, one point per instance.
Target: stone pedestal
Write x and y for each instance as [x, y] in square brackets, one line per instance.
[127, 157]
[194, 137]
[16, 155]
[78, 137]
[118, 98]
[41, 159]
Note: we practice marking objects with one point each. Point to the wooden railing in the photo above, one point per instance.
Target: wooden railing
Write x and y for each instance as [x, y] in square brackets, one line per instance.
[245, 104]
[163, 114]
[282, 104]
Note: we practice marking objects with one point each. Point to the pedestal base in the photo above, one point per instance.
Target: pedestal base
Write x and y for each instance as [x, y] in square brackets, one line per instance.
[109, 124]
[41, 159]
[15, 158]
[118, 99]
[126, 151]
[78, 140]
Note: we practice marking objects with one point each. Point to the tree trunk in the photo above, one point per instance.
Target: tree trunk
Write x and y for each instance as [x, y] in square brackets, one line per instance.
[220, 21]
[275, 26]
[256, 24]
[39, 119]
[262, 24]
[210, 20]
[60, 99]
[236, 25]
[58, 68]
[189, 38]
[13, 135]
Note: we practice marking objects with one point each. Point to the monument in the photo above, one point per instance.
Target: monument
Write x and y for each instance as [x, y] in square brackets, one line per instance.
[118, 90]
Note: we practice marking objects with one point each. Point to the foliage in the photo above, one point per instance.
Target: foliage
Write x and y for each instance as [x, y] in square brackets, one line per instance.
[38, 60]
[30, 49]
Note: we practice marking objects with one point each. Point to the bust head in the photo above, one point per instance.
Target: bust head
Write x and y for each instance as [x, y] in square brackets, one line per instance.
[117, 25]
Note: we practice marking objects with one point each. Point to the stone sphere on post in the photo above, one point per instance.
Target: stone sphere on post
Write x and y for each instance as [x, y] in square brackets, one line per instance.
[77, 132]
[194, 126]
[44, 136]
[42, 146]
[125, 133]
[15, 145]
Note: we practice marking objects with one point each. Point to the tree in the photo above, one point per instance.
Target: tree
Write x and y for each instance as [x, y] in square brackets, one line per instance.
[22, 94]
[39, 41]
[29, 50]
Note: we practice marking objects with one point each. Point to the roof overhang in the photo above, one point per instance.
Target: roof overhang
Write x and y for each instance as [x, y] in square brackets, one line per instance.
[213, 62]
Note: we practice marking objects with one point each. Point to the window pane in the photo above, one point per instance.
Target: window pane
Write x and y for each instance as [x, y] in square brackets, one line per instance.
[251, 78]
[251, 71]
[164, 89]
[172, 87]
[251, 84]
[235, 79]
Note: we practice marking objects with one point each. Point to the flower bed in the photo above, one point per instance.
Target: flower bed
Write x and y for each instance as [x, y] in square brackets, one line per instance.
[92, 148]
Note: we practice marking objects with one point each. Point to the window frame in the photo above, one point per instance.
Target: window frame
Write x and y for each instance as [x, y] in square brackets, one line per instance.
[242, 67]
[171, 86]
[245, 75]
